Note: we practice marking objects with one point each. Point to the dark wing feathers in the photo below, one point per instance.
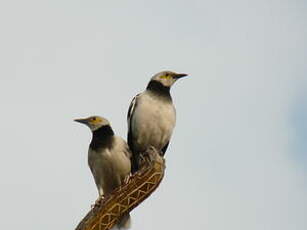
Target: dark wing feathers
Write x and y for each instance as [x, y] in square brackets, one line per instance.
[134, 159]
[163, 150]
[129, 118]
[131, 109]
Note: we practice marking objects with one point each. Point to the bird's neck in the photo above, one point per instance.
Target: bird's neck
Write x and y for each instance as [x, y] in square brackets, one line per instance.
[159, 89]
[102, 137]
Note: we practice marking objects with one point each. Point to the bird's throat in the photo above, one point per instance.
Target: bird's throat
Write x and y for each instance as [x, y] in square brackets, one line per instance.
[159, 89]
[102, 138]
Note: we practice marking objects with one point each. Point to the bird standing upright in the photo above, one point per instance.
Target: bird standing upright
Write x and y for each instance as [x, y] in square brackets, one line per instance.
[152, 116]
[108, 159]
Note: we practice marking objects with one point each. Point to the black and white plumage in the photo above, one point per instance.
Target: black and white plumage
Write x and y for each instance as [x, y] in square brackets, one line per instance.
[152, 116]
[108, 158]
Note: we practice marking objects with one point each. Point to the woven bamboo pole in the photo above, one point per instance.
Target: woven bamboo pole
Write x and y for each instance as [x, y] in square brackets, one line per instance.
[107, 212]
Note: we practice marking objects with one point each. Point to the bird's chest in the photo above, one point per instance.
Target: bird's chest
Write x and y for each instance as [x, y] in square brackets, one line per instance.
[156, 114]
[155, 120]
[100, 162]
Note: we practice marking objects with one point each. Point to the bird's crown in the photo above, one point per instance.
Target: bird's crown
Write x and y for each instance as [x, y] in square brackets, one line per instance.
[167, 78]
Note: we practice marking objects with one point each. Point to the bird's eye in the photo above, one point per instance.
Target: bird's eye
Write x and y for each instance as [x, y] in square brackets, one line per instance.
[94, 118]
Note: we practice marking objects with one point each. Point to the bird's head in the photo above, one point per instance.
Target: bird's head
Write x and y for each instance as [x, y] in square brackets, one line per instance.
[167, 78]
[94, 122]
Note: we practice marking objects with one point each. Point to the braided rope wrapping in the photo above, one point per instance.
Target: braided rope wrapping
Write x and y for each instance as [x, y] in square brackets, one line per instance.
[141, 185]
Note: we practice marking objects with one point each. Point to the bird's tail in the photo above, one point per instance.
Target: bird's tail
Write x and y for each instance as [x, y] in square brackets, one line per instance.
[124, 222]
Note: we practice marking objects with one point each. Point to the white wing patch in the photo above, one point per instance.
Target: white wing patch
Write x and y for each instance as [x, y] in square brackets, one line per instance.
[131, 109]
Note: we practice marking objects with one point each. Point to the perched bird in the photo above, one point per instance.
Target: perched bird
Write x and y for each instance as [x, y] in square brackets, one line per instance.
[152, 116]
[108, 159]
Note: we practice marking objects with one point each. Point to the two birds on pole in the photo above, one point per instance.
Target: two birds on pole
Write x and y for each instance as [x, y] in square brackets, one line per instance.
[151, 120]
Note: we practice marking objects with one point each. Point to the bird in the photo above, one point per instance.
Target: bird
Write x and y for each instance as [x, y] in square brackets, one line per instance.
[152, 116]
[108, 159]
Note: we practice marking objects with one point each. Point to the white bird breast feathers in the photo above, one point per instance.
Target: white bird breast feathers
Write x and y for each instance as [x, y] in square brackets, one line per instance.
[153, 121]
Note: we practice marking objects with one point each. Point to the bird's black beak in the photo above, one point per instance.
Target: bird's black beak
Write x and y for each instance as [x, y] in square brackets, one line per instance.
[180, 75]
[83, 121]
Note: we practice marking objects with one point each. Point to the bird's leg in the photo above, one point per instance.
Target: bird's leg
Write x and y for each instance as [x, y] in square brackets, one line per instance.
[142, 158]
[149, 155]
[140, 162]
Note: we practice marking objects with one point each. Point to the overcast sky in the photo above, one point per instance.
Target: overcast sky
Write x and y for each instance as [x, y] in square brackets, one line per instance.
[238, 156]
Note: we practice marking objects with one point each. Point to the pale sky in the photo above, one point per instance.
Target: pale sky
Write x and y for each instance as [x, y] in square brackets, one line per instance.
[238, 156]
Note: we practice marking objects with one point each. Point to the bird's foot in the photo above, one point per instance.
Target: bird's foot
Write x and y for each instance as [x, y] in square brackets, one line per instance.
[97, 202]
[126, 180]
[148, 156]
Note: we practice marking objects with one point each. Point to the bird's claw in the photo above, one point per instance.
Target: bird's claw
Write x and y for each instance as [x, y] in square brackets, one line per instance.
[126, 180]
[98, 201]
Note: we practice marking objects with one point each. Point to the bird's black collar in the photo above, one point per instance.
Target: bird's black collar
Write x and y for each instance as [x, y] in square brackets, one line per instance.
[102, 138]
[159, 89]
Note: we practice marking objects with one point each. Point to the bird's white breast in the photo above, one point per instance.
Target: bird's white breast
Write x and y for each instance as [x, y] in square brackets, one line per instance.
[110, 166]
[153, 122]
